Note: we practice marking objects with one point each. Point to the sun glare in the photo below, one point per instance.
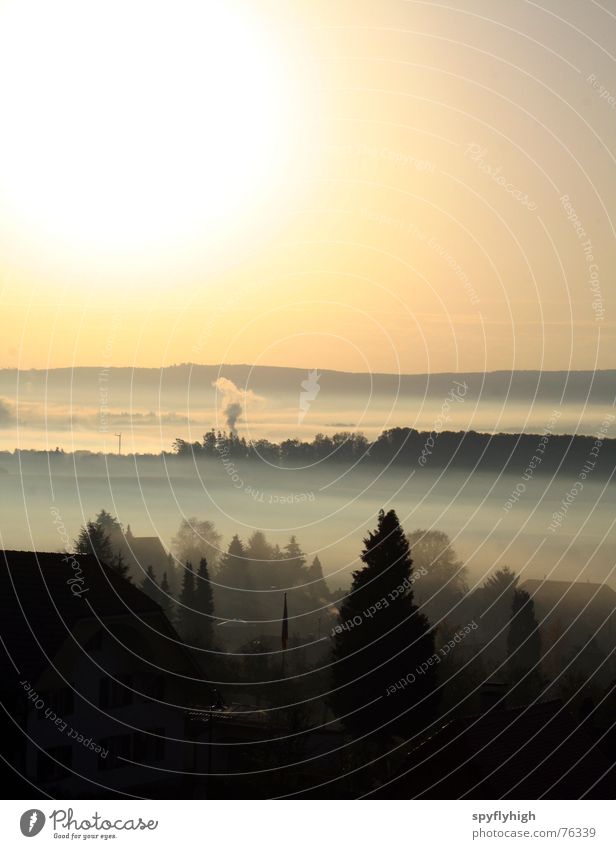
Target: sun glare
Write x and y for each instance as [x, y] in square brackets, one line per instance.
[132, 127]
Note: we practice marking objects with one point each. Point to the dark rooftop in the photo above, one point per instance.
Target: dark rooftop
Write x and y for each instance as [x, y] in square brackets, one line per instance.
[530, 752]
[43, 595]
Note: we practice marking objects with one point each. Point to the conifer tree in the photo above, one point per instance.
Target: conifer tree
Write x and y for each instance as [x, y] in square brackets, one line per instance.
[234, 599]
[233, 565]
[262, 562]
[293, 564]
[523, 646]
[383, 682]
[187, 613]
[317, 584]
[119, 566]
[164, 585]
[165, 598]
[204, 604]
[172, 574]
[94, 540]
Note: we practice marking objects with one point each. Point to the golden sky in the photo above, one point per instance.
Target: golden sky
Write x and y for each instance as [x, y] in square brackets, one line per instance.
[371, 186]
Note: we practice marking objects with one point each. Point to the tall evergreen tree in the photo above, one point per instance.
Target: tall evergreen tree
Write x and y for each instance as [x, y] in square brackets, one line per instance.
[165, 598]
[94, 540]
[262, 562]
[492, 608]
[234, 596]
[382, 680]
[109, 524]
[119, 566]
[187, 615]
[523, 644]
[233, 567]
[204, 604]
[317, 584]
[172, 574]
[293, 573]
[164, 585]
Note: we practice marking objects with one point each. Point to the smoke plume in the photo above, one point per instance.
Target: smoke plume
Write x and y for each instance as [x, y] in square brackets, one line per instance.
[234, 401]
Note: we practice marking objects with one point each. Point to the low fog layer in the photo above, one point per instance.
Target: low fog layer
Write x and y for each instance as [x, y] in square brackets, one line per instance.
[86, 407]
[492, 518]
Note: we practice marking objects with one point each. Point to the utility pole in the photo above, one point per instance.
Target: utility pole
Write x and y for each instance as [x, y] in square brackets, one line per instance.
[119, 435]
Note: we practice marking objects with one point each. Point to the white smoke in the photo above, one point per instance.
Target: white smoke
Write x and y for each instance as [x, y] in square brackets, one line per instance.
[234, 400]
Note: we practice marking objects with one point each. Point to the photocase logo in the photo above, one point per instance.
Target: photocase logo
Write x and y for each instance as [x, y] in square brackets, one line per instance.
[32, 822]
[310, 390]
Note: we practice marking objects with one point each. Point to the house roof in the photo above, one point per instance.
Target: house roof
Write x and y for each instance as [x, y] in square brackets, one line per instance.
[522, 753]
[143, 551]
[574, 593]
[39, 605]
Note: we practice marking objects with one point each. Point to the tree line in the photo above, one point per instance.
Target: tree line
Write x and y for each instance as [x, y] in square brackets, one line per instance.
[243, 583]
[407, 646]
[411, 447]
[399, 612]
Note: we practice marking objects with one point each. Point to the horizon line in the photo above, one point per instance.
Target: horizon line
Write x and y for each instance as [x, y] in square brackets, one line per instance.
[102, 367]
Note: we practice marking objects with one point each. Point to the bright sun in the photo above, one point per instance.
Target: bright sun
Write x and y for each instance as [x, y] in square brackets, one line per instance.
[131, 127]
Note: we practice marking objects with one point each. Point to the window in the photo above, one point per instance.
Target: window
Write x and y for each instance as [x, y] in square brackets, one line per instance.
[54, 764]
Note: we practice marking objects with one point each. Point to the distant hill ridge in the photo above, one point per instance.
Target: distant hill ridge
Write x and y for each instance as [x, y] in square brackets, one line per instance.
[585, 386]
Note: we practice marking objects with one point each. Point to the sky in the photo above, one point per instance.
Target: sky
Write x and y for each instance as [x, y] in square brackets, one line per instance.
[365, 186]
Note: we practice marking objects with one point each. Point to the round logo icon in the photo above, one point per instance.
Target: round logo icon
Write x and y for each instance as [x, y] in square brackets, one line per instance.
[32, 822]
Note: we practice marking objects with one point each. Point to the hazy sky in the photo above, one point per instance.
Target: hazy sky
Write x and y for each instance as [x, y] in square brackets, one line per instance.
[369, 186]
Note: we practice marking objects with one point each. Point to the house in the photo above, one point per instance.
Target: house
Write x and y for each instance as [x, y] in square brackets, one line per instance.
[95, 683]
[538, 751]
[246, 751]
[573, 616]
[140, 552]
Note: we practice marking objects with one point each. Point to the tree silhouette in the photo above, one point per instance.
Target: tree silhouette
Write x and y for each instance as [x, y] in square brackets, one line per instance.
[263, 566]
[204, 605]
[495, 598]
[383, 640]
[173, 575]
[196, 538]
[165, 598]
[440, 576]
[523, 645]
[233, 565]
[434, 554]
[292, 571]
[499, 584]
[318, 587]
[93, 539]
[232, 599]
[109, 524]
[187, 615]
